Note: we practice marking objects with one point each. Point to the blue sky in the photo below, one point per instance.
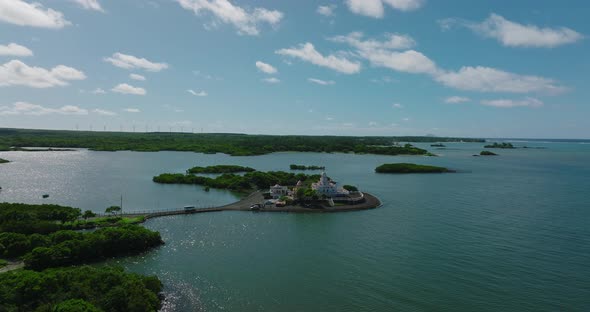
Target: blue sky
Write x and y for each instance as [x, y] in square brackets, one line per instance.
[352, 67]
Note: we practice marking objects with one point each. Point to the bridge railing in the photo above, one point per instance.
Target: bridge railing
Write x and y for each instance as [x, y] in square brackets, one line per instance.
[154, 211]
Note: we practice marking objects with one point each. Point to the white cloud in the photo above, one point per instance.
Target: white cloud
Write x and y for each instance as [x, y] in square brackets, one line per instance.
[98, 91]
[17, 73]
[271, 80]
[397, 105]
[13, 49]
[457, 100]
[132, 110]
[200, 93]
[104, 112]
[21, 13]
[128, 89]
[328, 118]
[24, 108]
[246, 21]
[486, 79]
[406, 119]
[265, 68]
[373, 124]
[326, 10]
[392, 42]
[137, 77]
[321, 82]
[307, 52]
[382, 54]
[376, 8]
[408, 61]
[131, 62]
[505, 103]
[90, 5]
[480, 78]
[512, 34]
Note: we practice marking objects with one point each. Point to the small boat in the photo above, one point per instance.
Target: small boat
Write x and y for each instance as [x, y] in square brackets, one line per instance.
[189, 208]
[45, 195]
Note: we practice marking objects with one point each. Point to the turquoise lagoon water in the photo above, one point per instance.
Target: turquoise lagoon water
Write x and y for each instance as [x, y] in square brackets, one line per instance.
[507, 233]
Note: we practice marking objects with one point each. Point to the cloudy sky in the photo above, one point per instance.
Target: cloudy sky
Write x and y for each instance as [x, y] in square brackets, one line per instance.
[487, 68]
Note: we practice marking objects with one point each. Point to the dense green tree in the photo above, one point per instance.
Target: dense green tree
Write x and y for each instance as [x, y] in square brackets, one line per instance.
[113, 210]
[80, 289]
[88, 214]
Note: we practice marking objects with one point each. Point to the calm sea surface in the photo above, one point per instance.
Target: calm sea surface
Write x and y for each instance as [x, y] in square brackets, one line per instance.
[507, 233]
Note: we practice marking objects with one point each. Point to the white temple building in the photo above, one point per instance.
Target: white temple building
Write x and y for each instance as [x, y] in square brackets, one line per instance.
[277, 191]
[326, 187]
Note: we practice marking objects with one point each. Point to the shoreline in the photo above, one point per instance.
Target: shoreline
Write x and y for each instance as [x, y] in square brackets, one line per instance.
[371, 202]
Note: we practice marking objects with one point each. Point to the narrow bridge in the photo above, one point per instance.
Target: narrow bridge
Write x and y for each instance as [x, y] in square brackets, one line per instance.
[369, 202]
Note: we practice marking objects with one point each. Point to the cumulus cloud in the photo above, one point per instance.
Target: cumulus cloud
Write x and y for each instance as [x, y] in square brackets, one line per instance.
[486, 79]
[131, 62]
[265, 68]
[326, 10]
[321, 82]
[21, 13]
[397, 105]
[90, 5]
[17, 73]
[247, 22]
[457, 100]
[483, 79]
[308, 53]
[513, 34]
[384, 54]
[24, 108]
[391, 42]
[132, 110]
[376, 8]
[124, 88]
[103, 112]
[137, 77]
[13, 49]
[271, 80]
[200, 93]
[506, 103]
[98, 91]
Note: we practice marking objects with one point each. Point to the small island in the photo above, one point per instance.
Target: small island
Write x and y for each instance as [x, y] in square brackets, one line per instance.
[487, 153]
[303, 167]
[438, 145]
[410, 168]
[500, 145]
[220, 169]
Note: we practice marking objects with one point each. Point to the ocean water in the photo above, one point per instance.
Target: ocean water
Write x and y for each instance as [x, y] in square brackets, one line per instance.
[506, 233]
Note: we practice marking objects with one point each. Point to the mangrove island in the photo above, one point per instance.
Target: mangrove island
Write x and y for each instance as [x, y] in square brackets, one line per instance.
[410, 168]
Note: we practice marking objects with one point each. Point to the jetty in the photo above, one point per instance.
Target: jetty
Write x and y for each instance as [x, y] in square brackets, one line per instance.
[369, 202]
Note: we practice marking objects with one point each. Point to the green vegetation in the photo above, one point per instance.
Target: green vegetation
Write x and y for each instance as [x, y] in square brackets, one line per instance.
[232, 144]
[41, 219]
[113, 210]
[303, 167]
[248, 182]
[3, 161]
[488, 153]
[220, 169]
[500, 145]
[83, 288]
[409, 168]
[437, 145]
[3, 263]
[70, 247]
[350, 188]
[39, 235]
